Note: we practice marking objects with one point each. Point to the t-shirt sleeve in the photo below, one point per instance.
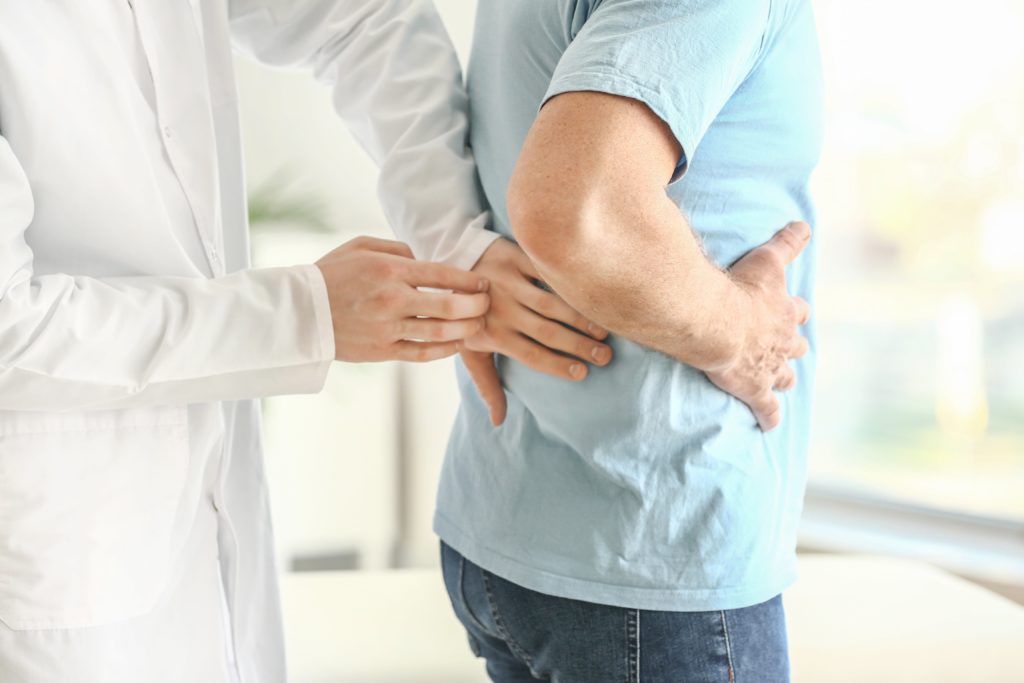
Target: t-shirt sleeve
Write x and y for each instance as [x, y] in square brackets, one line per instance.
[682, 58]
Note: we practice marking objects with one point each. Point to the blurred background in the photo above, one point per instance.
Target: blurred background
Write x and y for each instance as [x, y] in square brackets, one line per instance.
[918, 448]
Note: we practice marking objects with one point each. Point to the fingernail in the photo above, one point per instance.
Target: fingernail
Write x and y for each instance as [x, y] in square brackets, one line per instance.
[482, 285]
[599, 353]
[576, 370]
[594, 329]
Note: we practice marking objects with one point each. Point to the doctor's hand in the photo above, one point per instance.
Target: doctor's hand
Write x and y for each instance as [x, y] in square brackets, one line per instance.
[379, 313]
[529, 324]
[769, 336]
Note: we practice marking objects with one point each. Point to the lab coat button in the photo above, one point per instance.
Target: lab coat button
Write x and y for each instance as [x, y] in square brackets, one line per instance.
[167, 132]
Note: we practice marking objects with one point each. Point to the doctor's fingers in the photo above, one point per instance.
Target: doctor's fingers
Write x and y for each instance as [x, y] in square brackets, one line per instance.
[446, 305]
[441, 276]
[553, 307]
[422, 352]
[427, 330]
[365, 243]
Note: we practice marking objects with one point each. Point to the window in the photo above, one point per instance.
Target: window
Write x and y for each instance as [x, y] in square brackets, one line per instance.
[920, 301]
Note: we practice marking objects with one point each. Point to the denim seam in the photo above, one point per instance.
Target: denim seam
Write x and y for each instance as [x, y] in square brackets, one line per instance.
[462, 596]
[629, 643]
[633, 646]
[728, 647]
[513, 646]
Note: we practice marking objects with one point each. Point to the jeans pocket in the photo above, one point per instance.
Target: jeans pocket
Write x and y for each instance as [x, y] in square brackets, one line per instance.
[88, 504]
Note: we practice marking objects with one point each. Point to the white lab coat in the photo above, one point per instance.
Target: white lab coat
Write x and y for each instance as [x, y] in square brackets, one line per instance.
[133, 336]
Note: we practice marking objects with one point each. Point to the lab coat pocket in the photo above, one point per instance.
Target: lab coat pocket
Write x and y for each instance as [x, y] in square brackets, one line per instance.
[87, 509]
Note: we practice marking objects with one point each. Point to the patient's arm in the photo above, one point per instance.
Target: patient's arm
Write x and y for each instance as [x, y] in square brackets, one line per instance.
[587, 202]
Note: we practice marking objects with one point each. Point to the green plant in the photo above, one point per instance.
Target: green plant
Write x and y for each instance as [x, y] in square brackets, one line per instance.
[276, 201]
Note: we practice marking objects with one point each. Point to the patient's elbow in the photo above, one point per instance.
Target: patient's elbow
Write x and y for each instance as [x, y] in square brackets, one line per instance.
[549, 226]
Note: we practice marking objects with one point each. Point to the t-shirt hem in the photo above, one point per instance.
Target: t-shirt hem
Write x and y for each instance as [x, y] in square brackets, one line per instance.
[629, 597]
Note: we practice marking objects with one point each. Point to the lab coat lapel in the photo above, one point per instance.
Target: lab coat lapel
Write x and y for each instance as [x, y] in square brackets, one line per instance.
[171, 37]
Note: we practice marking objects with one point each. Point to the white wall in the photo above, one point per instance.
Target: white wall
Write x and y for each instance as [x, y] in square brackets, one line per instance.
[332, 458]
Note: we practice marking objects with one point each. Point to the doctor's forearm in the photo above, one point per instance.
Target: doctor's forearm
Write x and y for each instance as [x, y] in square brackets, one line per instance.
[397, 85]
[78, 343]
[400, 89]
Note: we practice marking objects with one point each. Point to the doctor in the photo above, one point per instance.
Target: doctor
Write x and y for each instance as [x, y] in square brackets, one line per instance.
[135, 542]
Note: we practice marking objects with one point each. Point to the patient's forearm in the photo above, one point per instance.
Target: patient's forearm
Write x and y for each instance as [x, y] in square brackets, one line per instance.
[587, 202]
[633, 266]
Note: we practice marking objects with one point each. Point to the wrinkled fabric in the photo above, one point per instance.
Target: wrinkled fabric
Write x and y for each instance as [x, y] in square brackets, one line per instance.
[645, 486]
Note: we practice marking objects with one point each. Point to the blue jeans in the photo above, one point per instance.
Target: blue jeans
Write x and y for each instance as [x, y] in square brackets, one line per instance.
[527, 636]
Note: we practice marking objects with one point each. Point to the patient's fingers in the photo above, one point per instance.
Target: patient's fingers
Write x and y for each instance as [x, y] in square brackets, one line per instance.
[767, 410]
[799, 347]
[803, 310]
[484, 374]
[789, 242]
[542, 359]
[556, 336]
[786, 379]
[552, 306]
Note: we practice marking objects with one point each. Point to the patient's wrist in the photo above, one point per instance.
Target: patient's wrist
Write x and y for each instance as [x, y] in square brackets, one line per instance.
[713, 335]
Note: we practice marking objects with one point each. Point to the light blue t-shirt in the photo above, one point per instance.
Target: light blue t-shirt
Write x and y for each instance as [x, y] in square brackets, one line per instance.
[645, 486]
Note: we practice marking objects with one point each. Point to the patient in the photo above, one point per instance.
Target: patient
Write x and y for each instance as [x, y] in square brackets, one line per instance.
[640, 524]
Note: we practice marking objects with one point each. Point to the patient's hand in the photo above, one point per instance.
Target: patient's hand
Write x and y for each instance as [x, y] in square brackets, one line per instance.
[768, 334]
[528, 324]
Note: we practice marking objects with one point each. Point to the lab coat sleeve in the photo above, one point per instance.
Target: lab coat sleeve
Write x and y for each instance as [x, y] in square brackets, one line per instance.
[398, 86]
[79, 343]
